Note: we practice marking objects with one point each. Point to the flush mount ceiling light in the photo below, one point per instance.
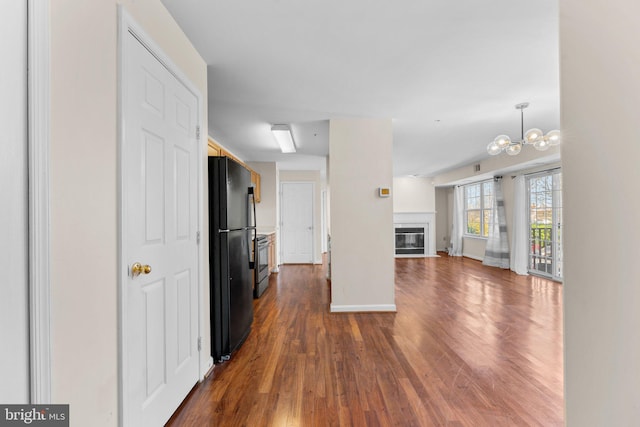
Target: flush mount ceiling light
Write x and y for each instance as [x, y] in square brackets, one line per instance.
[283, 135]
[533, 137]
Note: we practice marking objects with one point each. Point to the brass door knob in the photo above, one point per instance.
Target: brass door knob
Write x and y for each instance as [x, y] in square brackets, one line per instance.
[137, 269]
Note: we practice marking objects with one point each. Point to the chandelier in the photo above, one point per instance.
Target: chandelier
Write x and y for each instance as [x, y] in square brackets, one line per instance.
[533, 137]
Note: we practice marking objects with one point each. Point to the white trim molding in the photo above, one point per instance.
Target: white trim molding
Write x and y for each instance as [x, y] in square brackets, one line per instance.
[363, 308]
[39, 212]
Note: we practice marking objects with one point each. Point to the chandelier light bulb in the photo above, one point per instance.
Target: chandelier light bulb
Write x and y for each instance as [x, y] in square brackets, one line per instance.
[553, 137]
[514, 149]
[532, 135]
[541, 144]
[493, 148]
[502, 141]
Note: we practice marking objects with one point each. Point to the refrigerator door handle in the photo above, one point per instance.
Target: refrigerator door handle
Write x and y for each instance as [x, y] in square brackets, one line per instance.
[230, 230]
[251, 208]
[252, 262]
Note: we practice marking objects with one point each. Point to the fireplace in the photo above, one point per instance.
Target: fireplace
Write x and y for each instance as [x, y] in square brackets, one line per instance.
[414, 234]
[409, 239]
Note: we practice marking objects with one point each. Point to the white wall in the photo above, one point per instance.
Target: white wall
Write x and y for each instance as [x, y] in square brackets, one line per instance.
[266, 210]
[84, 198]
[528, 158]
[413, 194]
[443, 229]
[14, 287]
[417, 195]
[600, 107]
[362, 256]
[315, 177]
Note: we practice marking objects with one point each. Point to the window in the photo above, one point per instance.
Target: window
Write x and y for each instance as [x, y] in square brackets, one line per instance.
[478, 201]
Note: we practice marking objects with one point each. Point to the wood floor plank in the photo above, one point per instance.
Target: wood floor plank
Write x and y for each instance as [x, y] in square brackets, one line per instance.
[469, 346]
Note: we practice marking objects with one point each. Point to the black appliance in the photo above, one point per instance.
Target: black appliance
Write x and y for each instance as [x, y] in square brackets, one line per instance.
[231, 229]
[262, 265]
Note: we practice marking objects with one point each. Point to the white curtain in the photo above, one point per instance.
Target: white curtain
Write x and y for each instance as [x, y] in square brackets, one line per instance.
[496, 253]
[520, 232]
[457, 230]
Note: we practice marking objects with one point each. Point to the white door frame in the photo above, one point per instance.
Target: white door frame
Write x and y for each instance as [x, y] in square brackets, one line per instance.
[128, 25]
[39, 178]
[555, 224]
[323, 221]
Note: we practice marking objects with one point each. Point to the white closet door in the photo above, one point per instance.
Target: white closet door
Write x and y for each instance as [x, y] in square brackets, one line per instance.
[160, 184]
[297, 222]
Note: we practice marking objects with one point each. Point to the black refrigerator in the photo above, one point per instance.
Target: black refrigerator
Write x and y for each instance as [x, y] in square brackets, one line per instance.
[231, 256]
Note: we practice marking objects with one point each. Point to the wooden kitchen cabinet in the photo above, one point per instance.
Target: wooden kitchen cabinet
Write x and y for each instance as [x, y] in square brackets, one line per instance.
[255, 180]
[216, 150]
[225, 153]
[273, 267]
[213, 150]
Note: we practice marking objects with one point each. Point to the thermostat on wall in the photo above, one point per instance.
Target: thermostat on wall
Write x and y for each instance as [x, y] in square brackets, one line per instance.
[384, 191]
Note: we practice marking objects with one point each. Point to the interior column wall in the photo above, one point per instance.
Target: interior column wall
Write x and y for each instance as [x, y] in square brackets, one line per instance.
[600, 65]
[362, 242]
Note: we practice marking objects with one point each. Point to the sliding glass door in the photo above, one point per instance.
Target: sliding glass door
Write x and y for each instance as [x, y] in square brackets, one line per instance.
[545, 224]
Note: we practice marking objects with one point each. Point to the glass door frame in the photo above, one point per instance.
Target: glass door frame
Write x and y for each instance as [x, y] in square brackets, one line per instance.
[553, 203]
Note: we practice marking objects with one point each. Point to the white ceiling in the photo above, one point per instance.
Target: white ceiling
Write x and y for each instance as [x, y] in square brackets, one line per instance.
[447, 72]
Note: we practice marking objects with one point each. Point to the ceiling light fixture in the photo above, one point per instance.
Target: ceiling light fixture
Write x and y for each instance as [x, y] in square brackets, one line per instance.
[533, 137]
[283, 135]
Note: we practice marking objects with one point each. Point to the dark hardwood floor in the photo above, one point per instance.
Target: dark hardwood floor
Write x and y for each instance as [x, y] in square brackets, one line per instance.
[469, 346]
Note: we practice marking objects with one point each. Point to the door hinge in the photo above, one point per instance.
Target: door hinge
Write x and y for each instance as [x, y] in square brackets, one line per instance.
[199, 343]
[197, 132]
[198, 237]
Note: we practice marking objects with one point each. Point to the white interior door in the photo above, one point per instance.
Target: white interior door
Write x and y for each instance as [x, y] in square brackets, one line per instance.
[14, 290]
[160, 187]
[296, 225]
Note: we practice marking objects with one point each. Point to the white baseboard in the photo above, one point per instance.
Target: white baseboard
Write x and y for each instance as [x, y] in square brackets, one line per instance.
[208, 369]
[362, 308]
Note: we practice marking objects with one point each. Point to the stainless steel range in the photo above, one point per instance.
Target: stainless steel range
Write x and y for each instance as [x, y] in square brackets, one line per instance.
[262, 265]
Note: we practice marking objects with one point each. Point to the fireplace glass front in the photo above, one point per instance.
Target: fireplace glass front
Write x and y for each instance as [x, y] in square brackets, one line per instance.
[409, 241]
